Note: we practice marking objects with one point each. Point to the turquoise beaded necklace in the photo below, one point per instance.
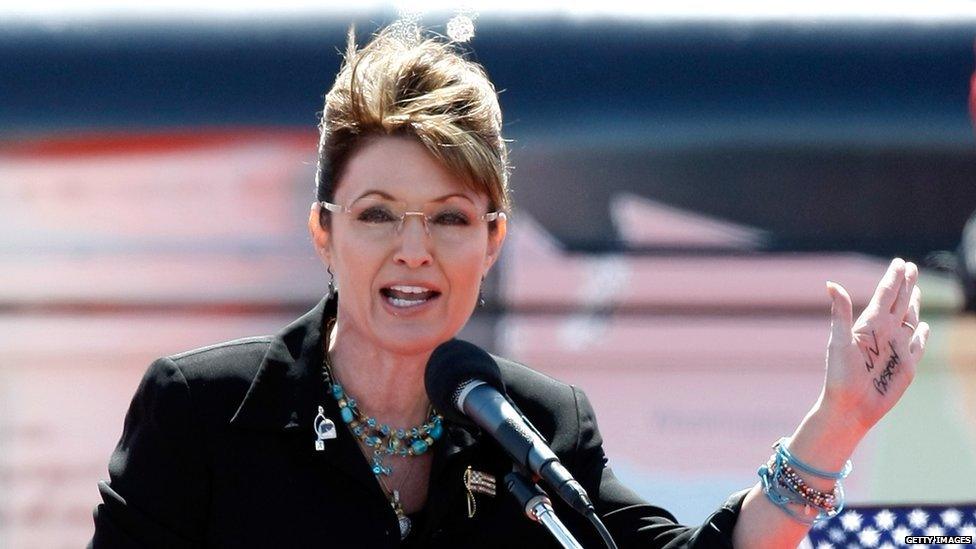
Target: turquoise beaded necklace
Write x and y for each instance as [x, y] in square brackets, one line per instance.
[384, 441]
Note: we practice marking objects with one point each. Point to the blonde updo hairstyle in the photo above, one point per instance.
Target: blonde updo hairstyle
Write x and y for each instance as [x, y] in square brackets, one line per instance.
[404, 84]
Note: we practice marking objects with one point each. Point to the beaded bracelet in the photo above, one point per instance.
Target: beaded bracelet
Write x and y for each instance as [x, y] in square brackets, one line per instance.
[781, 499]
[793, 481]
[782, 489]
[783, 486]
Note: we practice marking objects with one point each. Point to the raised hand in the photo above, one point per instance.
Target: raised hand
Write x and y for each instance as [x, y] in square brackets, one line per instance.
[871, 361]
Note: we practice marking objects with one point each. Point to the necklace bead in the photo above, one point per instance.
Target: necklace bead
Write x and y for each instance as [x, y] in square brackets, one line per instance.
[418, 446]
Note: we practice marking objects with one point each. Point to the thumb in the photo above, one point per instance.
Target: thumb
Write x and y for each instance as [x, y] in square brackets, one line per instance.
[841, 314]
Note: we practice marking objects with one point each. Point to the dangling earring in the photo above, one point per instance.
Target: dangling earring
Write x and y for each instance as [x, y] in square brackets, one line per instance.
[332, 286]
[481, 292]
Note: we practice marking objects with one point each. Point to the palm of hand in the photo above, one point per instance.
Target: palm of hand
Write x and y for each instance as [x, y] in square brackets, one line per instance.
[872, 361]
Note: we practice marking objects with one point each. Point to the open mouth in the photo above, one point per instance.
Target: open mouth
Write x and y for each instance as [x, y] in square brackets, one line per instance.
[404, 297]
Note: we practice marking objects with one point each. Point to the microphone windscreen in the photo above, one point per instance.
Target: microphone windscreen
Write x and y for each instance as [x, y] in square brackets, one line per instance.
[451, 365]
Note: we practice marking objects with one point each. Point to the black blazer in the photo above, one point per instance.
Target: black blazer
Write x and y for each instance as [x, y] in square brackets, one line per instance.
[218, 450]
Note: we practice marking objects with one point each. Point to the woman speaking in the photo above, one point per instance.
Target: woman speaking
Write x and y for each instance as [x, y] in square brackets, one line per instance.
[324, 436]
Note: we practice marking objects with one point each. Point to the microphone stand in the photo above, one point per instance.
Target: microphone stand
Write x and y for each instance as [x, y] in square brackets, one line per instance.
[538, 507]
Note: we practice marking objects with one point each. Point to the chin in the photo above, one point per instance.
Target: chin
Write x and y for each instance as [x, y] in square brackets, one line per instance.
[414, 340]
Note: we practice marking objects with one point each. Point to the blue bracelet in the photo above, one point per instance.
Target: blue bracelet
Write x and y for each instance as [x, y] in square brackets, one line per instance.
[780, 499]
[781, 494]
[783, 450]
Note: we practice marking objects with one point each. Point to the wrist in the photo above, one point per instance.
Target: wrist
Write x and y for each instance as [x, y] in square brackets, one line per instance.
[839, 424]
[826, 441]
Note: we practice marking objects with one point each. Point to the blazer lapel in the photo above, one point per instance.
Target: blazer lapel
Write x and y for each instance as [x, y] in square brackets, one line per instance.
[288, 390]
[463, 445]
[445, 490]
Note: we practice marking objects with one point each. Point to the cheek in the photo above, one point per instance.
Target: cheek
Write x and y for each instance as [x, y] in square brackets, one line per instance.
[465, 270]
[355, 266]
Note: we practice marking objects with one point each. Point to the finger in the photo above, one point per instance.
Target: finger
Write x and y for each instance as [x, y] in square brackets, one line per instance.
[841, 314]
[914, 304]
[919, 341]
[900, 307]
[887, 290]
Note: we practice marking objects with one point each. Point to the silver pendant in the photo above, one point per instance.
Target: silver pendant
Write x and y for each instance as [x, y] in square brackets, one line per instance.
[402, 519]
[324, 430]
[404, 527]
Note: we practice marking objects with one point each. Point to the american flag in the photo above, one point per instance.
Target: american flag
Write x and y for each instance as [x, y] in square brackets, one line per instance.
[885, 527]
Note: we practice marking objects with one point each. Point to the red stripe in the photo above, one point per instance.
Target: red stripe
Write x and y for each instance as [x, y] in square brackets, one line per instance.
[119, 142]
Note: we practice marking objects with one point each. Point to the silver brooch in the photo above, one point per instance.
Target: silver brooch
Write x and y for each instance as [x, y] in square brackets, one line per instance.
[325, 429]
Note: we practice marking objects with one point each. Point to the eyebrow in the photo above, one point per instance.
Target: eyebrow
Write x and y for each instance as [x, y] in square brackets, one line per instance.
[388, 196]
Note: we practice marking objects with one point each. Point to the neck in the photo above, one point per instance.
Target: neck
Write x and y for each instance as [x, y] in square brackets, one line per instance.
[387, 386]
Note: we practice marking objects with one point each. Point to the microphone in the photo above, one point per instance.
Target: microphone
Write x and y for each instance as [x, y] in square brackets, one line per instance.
[465, 385]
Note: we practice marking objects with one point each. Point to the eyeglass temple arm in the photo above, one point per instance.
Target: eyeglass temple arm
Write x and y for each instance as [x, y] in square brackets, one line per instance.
[331, 207]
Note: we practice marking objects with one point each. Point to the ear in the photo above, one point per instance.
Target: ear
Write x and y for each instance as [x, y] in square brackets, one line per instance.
[321, 237]
[495, 240]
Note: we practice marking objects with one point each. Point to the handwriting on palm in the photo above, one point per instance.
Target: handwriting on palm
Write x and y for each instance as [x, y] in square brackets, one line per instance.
[871, 361]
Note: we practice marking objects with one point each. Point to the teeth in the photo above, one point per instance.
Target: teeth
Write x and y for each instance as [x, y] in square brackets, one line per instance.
[409, 289]
[397, 302]
[404, 296]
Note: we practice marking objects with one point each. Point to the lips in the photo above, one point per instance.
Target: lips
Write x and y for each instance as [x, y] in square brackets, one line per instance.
[405, 296]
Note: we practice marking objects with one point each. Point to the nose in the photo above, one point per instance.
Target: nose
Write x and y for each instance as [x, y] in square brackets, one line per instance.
[413, 243]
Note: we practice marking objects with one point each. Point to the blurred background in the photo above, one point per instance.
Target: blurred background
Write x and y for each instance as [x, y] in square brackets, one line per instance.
[685, 182]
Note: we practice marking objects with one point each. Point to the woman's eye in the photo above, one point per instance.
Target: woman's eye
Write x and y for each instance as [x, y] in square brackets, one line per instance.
[451, 218]
[376, 214]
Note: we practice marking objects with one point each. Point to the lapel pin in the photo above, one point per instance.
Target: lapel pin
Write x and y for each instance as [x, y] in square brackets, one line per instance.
[477, 481]
[324, 430]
